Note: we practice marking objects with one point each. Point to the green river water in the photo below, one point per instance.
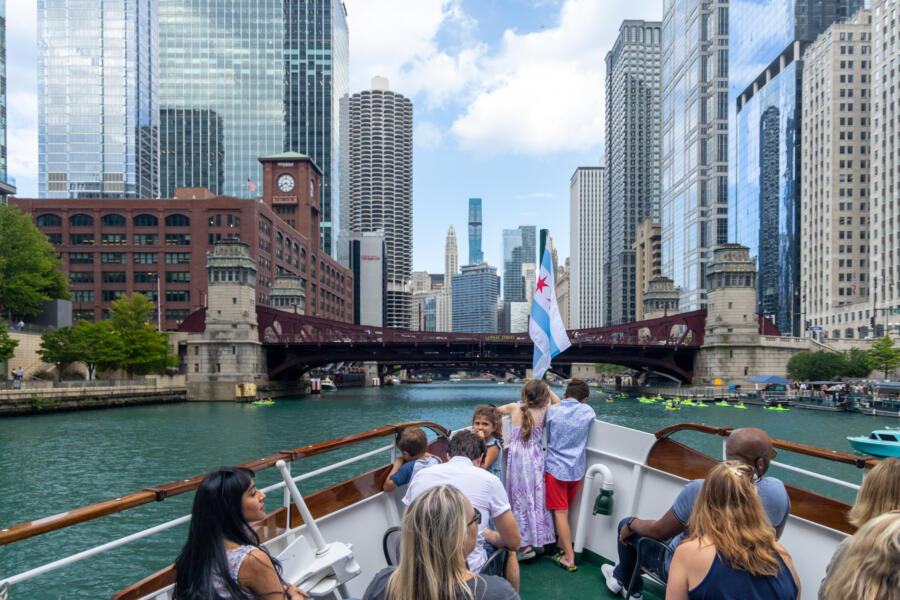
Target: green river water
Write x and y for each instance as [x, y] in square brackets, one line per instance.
[53, 463]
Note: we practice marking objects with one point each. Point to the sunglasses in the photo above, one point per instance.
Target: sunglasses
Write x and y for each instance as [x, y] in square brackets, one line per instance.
[476, 518]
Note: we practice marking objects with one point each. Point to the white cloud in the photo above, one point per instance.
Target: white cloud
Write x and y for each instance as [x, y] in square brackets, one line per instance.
[427, 135]
[543, 91]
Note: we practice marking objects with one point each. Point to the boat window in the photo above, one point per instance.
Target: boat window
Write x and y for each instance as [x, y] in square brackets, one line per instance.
[872, 436]
[887, 437]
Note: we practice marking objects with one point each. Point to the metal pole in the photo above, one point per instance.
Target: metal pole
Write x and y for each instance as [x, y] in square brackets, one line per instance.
[321, 546]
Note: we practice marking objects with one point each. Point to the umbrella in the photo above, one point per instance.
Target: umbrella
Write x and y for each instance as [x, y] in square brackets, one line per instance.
[768, 379]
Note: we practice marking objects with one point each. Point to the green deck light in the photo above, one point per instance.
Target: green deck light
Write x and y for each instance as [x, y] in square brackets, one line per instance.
[604, 503]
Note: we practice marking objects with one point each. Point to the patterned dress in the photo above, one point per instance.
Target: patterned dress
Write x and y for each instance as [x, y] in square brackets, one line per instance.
[525, 486]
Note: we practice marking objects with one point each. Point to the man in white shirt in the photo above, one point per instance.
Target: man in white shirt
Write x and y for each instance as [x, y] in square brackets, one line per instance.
[485, 491]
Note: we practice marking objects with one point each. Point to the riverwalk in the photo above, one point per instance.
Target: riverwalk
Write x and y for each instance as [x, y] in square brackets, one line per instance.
[36, 397]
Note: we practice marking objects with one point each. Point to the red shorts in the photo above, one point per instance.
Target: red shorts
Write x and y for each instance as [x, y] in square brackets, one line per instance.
[559, 494]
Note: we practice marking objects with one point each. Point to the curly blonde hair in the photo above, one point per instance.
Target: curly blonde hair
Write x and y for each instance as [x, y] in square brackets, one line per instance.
[870, 566]
[880, 492]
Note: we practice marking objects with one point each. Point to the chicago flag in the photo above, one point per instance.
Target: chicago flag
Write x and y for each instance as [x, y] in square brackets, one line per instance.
[546, 326]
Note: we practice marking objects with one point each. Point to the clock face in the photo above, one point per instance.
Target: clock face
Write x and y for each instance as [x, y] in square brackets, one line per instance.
[285, 183]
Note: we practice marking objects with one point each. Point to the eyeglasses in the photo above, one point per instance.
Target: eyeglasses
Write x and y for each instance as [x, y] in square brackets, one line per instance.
[774, 454]
[476, 518]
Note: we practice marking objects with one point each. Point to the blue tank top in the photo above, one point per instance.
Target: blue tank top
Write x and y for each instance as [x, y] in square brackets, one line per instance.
[724, 583]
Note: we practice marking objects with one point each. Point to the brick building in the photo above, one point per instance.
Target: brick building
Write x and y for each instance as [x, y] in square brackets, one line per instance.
[116, 247]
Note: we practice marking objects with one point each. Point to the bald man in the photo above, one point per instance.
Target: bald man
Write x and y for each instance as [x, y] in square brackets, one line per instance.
[750, 446]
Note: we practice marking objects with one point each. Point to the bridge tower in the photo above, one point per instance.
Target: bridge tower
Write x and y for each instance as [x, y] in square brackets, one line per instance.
[229, 352]
[731, 296]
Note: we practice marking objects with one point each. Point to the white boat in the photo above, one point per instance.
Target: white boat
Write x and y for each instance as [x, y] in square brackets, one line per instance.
[328, 385]
[646, 471]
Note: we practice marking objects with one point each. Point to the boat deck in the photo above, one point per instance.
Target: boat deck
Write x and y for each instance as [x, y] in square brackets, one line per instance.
[542, 579]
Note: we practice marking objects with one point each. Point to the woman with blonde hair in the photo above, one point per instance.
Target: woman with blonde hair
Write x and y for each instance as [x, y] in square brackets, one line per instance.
[870, 565]
[731, 552]
[438, 532]
[879, 494]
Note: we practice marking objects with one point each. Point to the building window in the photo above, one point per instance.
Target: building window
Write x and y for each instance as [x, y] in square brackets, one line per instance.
[177, 314]
[145, 276]
[178, 220]
[54, 238]
[112, 258]
[81, 239]
[178, 276]
[112, 220]
[178, 296]
[113, 239]
[112, 295]
[146, 239]
[178, 258]
[82, 295]
[81, 277]
[83, 315]
[145, 258]
[81, 258]
[113, 277]
[81, 220]
[145, 220]
[49, 221]
[178, 239]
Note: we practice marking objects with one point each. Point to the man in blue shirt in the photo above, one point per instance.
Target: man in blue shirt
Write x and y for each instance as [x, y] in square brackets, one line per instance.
[568, 426]
[750, 446]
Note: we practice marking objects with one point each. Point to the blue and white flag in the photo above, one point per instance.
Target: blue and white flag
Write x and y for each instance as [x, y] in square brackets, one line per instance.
[546, 326]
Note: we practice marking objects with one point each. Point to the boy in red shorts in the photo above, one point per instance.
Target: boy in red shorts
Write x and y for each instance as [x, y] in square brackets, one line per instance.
[568, 425]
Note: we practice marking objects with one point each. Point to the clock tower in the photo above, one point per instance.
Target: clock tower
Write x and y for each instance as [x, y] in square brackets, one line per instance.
[291, 188]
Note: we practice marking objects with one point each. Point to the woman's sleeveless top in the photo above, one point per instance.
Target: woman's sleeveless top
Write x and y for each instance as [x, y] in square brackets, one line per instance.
[496, 466]
[725, 583]
[235, 559]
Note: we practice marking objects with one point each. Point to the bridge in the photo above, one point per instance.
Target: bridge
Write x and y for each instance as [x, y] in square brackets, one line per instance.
[296, 343]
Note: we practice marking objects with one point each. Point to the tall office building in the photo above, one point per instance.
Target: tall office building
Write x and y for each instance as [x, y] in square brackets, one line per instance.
[475, 254]
[885, 209]
[475, 293]
[766, 42]
[451, 257]
[273, 72]
[380, 190]
[694, 154]
[7, 183]
[835, 199]
[529, 244]
[587, 237]
[632, 157]
[98, 111]
[513, 287]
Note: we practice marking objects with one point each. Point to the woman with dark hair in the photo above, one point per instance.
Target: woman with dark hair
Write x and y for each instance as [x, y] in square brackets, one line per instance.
[222, 558]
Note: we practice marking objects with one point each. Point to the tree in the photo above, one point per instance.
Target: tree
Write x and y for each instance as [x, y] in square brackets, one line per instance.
[883, 356]
[59, 347]
[144, 349]
[99, 346]
[7, 344]
[857, 363]
[816, 366]
[28, 266]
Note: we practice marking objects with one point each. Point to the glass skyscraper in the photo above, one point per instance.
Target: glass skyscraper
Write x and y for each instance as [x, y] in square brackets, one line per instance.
[254, 79]
[513, 289]
[98, 114]
[475, 292]
[7, 184]
[475, 254]
[767, 39]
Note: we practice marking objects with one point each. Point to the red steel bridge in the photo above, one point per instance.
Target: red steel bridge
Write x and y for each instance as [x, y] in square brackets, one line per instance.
[296, 343]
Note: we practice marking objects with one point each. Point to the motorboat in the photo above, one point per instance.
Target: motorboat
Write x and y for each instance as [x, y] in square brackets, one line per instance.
[328, 385]
[331, 541]
[881, 442]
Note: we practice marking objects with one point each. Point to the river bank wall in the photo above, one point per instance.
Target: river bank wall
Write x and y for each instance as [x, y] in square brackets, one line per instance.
[23, 402]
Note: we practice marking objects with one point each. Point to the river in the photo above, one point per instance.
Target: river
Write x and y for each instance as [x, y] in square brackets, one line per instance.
[52, 463]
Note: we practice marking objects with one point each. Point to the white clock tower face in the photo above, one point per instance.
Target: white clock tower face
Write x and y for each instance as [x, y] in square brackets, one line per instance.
[285, 183]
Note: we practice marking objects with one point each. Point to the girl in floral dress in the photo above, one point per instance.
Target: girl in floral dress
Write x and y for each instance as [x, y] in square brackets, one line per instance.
[525, 466]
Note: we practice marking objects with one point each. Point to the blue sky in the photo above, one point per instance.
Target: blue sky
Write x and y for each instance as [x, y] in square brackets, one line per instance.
[507, 96]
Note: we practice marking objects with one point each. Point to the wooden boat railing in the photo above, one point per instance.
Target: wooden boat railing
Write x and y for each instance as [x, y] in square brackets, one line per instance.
[321, 502]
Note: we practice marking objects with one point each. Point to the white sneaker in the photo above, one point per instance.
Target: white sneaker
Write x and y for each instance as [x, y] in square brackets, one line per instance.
[612, 584]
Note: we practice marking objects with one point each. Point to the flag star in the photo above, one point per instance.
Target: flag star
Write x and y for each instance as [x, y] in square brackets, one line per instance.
[541, 284]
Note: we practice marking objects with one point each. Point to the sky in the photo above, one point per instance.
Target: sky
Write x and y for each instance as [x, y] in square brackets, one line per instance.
[507, 102]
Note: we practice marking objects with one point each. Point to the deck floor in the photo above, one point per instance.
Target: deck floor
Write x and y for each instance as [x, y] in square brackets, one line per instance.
[542, 579]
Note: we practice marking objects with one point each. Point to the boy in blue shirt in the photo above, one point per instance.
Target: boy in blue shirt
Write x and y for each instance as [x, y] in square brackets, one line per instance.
[413, 445]
[568, 425]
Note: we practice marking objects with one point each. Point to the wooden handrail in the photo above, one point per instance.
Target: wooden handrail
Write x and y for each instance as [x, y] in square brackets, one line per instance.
[159, 493]
[832, 455]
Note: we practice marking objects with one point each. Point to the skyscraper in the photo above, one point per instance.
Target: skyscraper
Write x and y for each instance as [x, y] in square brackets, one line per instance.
[529, 244]
[380, 191]
[475, 293]
[451, 258]
[632, 157]
[766, 42]
[7, 184]
[835, 198]
[586, 248]
[98, 110]
[256, 78]
[475, 254]
[513, 289]
[694, 156]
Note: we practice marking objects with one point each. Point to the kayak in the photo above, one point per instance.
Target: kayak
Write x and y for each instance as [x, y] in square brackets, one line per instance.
[722, 403]
[778, 408]
[263, 403]
[740, 405]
